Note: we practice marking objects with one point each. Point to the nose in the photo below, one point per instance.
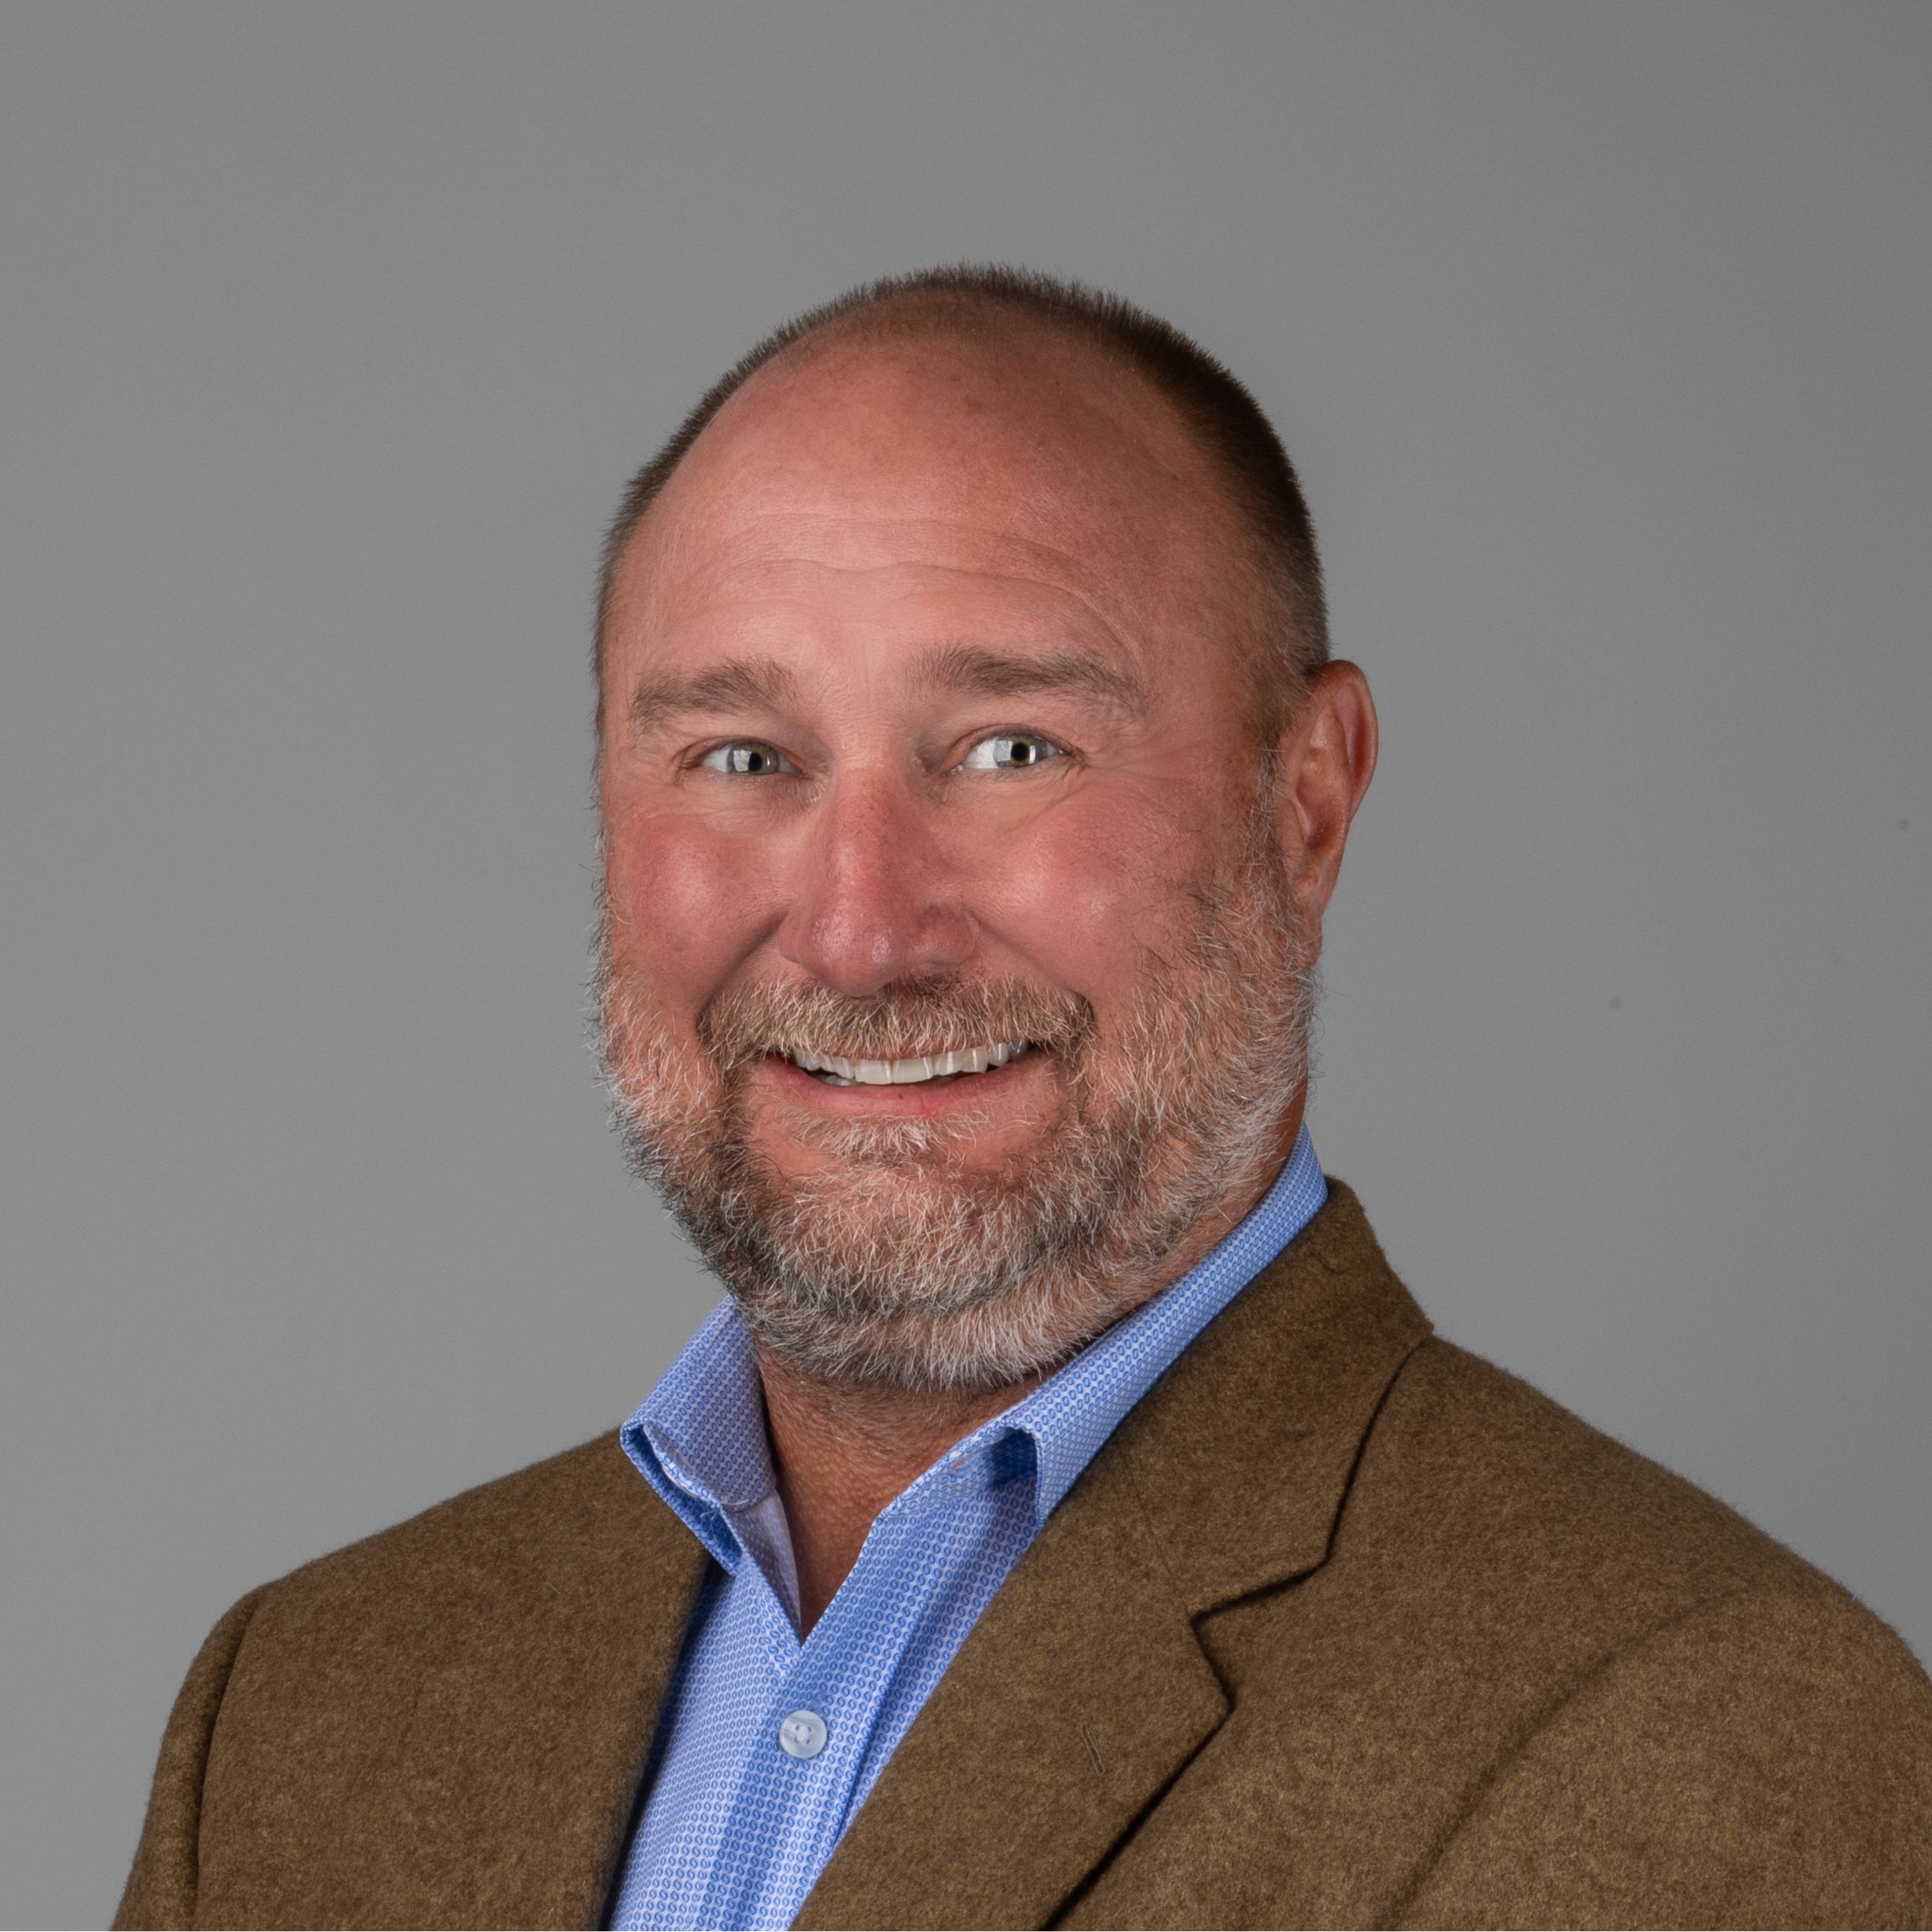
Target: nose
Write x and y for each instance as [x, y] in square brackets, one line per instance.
[875, 900]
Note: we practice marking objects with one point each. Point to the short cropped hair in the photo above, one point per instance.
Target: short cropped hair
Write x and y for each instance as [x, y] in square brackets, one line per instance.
[1227, 424]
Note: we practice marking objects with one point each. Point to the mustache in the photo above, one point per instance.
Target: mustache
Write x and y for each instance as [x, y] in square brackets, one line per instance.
[901, 1022]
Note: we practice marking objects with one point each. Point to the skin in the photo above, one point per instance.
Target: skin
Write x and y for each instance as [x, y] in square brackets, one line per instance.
[881, 554]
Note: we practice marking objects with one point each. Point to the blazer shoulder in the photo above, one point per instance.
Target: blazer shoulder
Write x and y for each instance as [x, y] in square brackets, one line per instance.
[569, 1510]
[1526, 1640]
[1482, 1464]
[1764, 1760]
[571, 1550]
[160, 1888]
[440, 1724]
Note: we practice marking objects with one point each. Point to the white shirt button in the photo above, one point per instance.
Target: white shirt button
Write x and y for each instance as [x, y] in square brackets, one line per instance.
[802, 1734]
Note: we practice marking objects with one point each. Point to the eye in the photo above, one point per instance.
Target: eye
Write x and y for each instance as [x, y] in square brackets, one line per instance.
[1009, 751]
[747, 758]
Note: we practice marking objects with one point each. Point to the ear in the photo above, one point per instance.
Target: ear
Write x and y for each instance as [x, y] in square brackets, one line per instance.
[1325, 757]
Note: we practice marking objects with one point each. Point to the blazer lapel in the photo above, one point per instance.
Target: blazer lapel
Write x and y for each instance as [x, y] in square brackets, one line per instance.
[588, 1629]
[1243, 1452]
[1083, 1693]
[1078, 1696]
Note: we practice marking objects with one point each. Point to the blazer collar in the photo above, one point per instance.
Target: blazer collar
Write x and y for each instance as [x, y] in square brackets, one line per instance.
[1082, 1691]
[1242, 1456]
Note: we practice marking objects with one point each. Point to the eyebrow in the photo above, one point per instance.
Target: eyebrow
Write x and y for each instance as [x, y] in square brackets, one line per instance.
[981, 671]
[737, 682]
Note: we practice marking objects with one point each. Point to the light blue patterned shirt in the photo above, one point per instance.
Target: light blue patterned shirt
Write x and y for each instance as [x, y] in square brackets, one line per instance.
[768, 1746]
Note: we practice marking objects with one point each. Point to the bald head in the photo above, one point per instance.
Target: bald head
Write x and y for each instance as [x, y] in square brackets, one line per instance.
[1098, 418]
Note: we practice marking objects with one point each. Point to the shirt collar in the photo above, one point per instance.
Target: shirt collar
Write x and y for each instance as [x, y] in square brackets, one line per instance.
[1076, 1409]
[699, 1437]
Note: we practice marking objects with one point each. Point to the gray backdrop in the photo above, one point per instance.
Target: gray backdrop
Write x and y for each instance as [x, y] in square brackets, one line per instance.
[327, 334]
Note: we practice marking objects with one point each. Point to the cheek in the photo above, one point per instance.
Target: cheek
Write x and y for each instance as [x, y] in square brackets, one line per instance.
[684, 905]
[1085, 892]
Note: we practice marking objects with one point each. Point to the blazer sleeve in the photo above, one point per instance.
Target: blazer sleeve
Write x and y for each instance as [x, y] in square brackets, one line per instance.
[160, 1890]
[1767, 1760]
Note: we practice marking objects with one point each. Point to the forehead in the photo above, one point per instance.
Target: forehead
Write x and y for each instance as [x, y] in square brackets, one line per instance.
[1014, 468]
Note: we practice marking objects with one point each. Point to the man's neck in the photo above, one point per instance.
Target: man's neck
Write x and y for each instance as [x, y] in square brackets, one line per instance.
[841, 1451]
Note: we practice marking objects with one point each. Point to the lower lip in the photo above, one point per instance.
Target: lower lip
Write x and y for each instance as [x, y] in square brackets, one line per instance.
[916, 1096]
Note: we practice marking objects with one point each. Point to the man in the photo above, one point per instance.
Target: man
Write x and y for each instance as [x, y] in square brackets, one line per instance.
[1067, 1518]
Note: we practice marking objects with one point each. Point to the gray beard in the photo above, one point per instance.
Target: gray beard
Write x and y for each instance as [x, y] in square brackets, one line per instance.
[897, 1263]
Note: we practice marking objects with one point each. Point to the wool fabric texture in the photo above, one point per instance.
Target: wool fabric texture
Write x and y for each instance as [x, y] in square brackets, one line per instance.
[1342, 1626]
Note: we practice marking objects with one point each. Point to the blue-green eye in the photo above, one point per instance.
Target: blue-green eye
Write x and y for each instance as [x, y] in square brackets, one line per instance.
[1009, 751]
[747, 758]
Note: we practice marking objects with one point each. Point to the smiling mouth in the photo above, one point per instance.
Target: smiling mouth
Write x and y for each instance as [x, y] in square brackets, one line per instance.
[835, 1071]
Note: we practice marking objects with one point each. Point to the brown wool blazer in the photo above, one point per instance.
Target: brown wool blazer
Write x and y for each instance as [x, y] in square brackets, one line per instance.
[1342, 1626]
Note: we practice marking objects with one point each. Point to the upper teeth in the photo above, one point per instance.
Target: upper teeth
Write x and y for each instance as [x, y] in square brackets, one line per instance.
[904, 1073]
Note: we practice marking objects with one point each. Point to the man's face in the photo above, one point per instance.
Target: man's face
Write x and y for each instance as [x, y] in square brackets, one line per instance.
[951, 971]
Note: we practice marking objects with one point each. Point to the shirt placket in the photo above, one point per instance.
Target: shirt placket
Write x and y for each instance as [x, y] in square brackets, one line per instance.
[799, 1788]
[794, 1788]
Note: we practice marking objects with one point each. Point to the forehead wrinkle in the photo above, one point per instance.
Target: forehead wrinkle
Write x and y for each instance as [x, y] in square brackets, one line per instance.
[762, 546]
[761, 585]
